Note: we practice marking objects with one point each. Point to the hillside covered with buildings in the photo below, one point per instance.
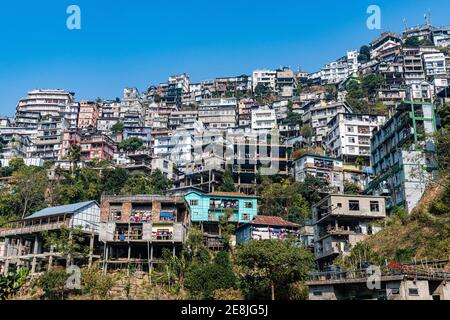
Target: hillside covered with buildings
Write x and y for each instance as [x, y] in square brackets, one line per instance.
[281, 184]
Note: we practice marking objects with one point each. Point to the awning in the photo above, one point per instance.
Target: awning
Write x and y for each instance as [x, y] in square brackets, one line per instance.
[166, 215]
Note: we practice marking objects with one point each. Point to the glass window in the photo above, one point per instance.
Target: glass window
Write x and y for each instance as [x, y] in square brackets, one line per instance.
[374, 206]
[413, 291]
[193, 202]
[353, 205]
[248, 204]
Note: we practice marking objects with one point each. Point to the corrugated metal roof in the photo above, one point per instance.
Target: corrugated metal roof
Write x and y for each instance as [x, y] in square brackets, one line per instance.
[66, 209]
[272, 221]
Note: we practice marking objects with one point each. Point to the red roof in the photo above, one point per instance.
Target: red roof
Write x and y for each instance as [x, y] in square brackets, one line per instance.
[272, 221]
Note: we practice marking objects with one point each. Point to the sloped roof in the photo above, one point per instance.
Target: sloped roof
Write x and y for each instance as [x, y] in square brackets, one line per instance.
[272, 221]
[66, 209]
[230, 194]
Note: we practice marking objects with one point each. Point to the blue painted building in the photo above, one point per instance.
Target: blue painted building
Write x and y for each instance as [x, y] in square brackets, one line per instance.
[207, 208]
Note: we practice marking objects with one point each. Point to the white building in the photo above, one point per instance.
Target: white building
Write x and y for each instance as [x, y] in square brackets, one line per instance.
[264, 77]
[434, 64]
[318, 116]
[218, 113]
[46, 103]
[349, 136]
[181, 81]
[263, 118]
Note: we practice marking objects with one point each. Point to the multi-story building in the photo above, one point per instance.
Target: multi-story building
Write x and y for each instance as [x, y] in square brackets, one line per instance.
[339, 70]
[13, 145]
[341, 221]
[286, 82]
[206, 209]
[137, 228]
[24, 244]
[318, 116]
[412, 65]
[218, 113]
[88, 115]
[182, 119]
[58, 103]
[403, 155]
[420, 91]
[48, 142]
[386, 46]
[328, 169]
[94, 146]
[435, 64]
[263, 118]
[349, 136]
[266, 78]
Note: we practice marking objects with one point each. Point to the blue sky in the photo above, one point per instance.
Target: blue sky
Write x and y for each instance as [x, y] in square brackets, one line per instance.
[138, 43]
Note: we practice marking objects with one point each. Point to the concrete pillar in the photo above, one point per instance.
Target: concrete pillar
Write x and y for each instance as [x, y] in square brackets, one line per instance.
[35, 252]
[91, 250]
[6, 255]
[19, 252]
[50, 259]
[173, 251]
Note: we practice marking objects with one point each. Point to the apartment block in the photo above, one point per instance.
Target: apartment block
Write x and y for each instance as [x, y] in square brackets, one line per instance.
[341, 221]
[267, 78]
[403, 157]
[136, 229]
[349, 137]
[218, 113]
[88, 115]
[328, 169]
[263, 118]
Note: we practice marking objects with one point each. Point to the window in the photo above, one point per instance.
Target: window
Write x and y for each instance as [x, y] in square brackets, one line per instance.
[353, 205]
[351, 140]
[248, 204]
[317, 293]
[374, 206]
[193, 202]
[350, 129]
[339, 205]
[413, 291]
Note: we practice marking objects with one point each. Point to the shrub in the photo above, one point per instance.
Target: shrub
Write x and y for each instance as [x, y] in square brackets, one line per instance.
[95, 284]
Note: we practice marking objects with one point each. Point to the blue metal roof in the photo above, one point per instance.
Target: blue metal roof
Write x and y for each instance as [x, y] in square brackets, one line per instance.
[66, 209]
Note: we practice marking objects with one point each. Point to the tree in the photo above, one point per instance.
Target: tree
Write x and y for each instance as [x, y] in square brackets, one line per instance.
[351, 188]
[364, 54]
[29, 186]
[226, 228]
[131, 144]
[307, 132]
[53, 283]
[113, 180]
[444, 116]
[312, 189]
[203, 280]
[227, 181]
[138, 183]
[293, 118]
[371, 83]
[117, 127]
[159, 182]
[412, 42]
[83, 186]
[16, 164]
[278, 263]
[74, 155]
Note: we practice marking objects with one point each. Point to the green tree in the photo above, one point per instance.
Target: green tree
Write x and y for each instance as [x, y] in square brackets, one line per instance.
[274, 262]
[53, 283]
[117, 127]
[364, 54]
[371, 83]
[444, 116]
[412, 42]
[159, 182]
[312, 189]
[131, 144]
[113, 180]
[138, 183]
[29, 187]
[16, 164]
[203, 280]
[74, 155]
[227, 181]
[351, 188]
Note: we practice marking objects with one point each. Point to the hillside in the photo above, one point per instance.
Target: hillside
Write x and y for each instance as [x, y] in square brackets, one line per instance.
[422, 235]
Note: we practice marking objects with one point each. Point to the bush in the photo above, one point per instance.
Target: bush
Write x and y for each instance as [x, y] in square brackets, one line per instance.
[53, 283]
[95, 284]
[298, 291]
[227, 294]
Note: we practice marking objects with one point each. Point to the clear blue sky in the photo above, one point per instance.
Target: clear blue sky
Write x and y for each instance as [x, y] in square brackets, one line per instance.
[138, 43]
